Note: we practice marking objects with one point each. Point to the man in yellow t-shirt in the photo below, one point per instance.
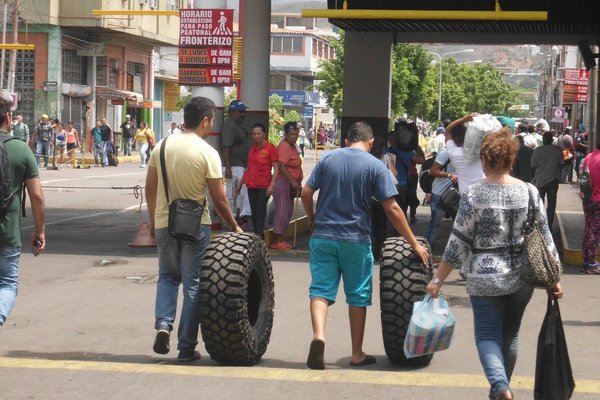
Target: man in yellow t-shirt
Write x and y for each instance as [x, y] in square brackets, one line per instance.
[192, 166]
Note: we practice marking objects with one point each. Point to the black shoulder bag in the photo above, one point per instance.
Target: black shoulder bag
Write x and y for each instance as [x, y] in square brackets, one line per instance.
[185, 215]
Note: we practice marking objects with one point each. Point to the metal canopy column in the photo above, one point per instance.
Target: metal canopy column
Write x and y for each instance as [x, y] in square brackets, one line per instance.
[255, 26]
[367, 81]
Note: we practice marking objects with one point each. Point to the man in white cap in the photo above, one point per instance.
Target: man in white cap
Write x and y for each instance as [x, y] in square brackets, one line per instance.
[235, 144]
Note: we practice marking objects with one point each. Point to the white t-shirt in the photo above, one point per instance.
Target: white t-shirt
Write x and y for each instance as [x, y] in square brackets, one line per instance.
[468, 173]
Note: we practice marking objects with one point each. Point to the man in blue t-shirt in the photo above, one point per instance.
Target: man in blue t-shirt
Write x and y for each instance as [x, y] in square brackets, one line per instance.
[340, 245]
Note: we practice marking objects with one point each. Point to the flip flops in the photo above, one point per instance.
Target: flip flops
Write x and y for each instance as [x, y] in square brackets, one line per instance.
[591, 271]
[367, 360]
[283, 245]
[315, 355]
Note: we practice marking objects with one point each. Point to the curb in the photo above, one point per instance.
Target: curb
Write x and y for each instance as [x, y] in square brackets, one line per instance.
[570, 256]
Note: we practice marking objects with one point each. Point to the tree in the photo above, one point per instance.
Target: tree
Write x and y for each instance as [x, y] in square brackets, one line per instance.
[410, 69]
[275, 120]
[472, 88]
[292, 116]
[329, 78]
[465, 88]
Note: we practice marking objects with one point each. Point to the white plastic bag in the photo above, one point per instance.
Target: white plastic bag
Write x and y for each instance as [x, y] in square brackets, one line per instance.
[430, 329]
[476, 131]
[544, 123]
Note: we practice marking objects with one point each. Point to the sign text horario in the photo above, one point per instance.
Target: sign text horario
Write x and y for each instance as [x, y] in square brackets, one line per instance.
[206, 47]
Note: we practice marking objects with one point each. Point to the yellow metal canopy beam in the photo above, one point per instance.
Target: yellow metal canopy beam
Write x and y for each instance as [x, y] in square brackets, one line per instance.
[135, 12]
[16, 46]
[497, 15]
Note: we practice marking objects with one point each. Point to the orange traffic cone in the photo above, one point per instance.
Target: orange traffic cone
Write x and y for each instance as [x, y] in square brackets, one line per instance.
[143, 237]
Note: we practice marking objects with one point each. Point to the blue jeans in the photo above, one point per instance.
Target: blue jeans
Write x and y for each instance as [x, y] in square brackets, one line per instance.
[436, 216]
[9, 275]
[42, 149]
[105, 147]
[179, 262]
[497, 322]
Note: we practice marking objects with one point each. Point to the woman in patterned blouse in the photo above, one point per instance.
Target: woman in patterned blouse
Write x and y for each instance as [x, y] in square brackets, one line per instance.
[486, 243]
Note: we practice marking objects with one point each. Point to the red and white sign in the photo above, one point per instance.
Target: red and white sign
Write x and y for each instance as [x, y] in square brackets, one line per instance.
[558, 114]
[206, 47]
[576, 85]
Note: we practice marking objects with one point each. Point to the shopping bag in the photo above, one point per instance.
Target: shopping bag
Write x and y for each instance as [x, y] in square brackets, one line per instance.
[476, 130]
[553, 374]
[430, 329]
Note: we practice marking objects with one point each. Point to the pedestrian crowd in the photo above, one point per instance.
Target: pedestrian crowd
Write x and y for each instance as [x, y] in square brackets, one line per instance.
[367, 191]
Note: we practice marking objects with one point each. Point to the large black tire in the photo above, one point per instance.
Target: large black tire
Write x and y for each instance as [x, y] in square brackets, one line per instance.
[236, 299]
[402, 282]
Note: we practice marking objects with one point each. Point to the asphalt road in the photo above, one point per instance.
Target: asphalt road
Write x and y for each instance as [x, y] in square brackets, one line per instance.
[83, 325]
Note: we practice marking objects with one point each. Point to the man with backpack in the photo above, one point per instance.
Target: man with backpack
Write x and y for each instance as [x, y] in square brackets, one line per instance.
[17, 169]
[43, 137]
[444, 176]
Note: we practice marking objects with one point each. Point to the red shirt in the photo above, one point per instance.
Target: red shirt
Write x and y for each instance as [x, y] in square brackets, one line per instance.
[592, 161]
[260, 161]
[288, 155]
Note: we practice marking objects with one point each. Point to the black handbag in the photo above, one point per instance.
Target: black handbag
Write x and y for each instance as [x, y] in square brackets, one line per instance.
[553, 373]
[185, 215]
[450, 200]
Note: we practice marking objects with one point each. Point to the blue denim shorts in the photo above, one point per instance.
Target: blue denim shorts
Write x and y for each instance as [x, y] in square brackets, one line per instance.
[331, 260]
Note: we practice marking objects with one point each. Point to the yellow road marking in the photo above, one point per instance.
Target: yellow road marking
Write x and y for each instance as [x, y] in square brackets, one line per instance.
[290, 375]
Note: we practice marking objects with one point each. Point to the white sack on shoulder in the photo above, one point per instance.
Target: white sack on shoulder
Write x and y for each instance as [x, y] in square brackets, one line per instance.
[476, 131]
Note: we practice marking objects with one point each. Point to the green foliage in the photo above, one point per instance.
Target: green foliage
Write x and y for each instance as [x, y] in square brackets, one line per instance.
[465, 88]
[330, 76]
[410, 70]
[292, 116]
[230, 96]
[275, 120]
[183, 100]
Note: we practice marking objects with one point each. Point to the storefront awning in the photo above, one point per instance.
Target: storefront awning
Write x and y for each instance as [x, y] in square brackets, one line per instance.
[108, 93]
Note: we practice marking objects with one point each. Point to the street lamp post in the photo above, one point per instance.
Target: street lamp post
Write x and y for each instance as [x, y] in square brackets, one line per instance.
[441, 57]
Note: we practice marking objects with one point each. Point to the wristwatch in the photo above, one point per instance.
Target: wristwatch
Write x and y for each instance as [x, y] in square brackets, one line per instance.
[437, 280]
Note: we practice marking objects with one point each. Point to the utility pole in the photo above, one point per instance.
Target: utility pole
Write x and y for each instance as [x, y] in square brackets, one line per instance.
[12, 64]
[3, 41]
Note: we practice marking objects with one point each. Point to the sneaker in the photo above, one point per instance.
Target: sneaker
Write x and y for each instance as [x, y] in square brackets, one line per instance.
[188, 355]
[161, 342]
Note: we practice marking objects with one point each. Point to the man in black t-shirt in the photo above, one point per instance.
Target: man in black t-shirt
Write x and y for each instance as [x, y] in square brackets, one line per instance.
[108, 140]
[127, 132]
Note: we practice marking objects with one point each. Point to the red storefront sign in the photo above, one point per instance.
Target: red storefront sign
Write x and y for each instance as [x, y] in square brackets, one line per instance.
[206, 47]
[575, 89]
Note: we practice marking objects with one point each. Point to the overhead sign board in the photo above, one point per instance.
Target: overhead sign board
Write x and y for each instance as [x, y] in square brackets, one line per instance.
[206, 47]
[575, 87]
